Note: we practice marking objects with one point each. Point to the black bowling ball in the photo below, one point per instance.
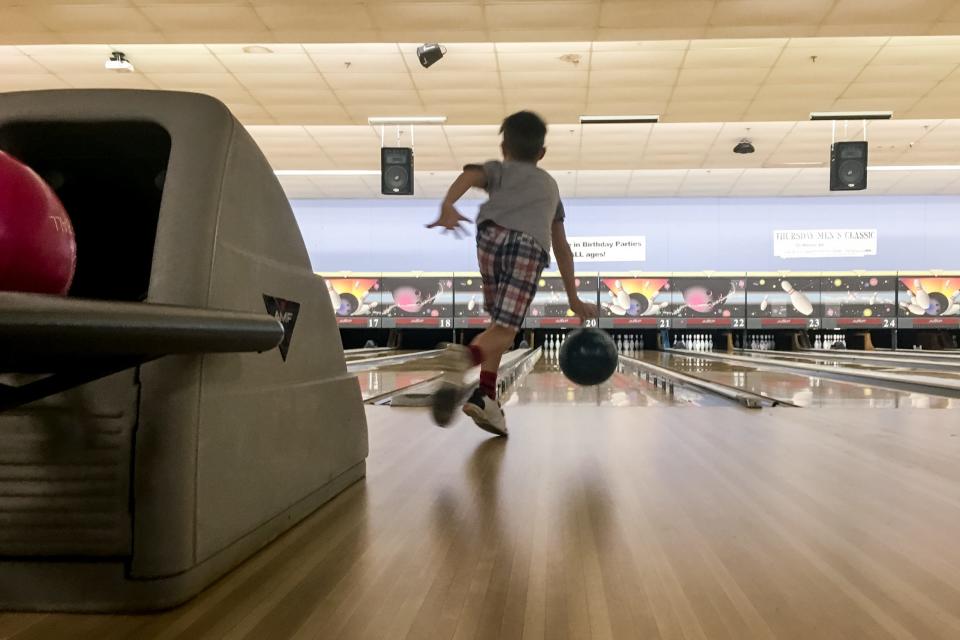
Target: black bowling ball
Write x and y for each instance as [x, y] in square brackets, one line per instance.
[588, 357]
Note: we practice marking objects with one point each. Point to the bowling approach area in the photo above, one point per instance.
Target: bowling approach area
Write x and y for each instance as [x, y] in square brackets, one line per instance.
[226, 312]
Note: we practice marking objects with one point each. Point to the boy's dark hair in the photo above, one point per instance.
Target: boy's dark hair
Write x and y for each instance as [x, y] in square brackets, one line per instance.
[523, 135]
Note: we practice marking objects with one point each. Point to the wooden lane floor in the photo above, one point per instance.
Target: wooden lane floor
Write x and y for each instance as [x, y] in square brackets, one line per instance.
[545, 385]
[913, 367]
[607, 522]
[805, 390]
[377, 382]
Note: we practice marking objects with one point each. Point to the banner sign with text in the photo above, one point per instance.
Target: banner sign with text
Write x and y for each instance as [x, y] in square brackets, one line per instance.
[825, 243]
[608, 248]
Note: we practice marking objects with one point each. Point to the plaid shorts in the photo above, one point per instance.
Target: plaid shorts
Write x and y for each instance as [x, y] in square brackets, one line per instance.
[510, 266]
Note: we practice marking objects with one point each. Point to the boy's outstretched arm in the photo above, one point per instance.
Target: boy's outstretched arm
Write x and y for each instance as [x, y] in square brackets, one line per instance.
[561, 249]
[450, 218]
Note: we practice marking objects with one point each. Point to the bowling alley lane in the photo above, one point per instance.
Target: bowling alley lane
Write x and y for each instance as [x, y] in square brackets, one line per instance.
[909, 369]
[797, 388]
[546, 385]
[376, 383]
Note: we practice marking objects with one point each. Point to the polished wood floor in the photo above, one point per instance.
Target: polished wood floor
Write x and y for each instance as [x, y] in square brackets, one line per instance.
[602, 522]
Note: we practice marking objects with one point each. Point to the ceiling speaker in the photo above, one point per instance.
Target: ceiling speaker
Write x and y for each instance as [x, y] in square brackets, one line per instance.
[396, 171]
[848, 166]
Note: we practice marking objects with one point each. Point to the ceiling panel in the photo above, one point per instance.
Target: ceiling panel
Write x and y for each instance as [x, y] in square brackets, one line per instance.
[856, 12]
[188, 18]
[100, 18]
[526, 15]
[717, 80]
[693, 159]
[678, 13]
[769, 12]
[468, 20]
[277, 16]
[710, 92]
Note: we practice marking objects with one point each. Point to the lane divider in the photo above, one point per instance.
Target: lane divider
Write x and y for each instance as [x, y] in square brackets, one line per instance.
[670, 377]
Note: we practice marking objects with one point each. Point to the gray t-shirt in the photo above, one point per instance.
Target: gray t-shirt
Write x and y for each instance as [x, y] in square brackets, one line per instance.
[523, 197]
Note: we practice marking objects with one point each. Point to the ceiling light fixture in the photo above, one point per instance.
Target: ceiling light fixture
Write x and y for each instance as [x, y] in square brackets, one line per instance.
[326, 172]
[118, 62]
[851, 115]
[379, 120]
[915, 167]
[647, 119]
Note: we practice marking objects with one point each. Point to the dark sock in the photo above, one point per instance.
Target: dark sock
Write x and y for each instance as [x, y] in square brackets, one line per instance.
[488, 384]
[476, 354]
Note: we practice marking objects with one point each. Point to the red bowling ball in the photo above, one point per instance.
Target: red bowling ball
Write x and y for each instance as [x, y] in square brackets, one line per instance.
[38, 250]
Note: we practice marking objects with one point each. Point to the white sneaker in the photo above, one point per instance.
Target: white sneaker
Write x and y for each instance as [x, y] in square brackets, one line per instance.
[453, 362]
[486, 412]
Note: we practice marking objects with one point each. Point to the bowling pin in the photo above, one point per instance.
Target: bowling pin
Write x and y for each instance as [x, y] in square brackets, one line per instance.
[622, 297]
[952, 310]
[763, 304]
[818, 344]
[916, 309]
[873, 298]
[922, 297]
[472, 303]
[800, 302]
[641, 343]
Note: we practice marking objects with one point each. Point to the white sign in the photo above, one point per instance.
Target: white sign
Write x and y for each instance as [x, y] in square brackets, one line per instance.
[608, 248]
[825, 243]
